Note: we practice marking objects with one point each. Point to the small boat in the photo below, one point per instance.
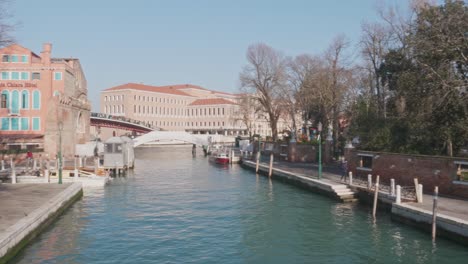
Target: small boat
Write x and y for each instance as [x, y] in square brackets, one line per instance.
[221, 158]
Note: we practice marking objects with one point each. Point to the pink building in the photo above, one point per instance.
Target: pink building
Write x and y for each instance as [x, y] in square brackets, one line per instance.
[42, 98]
[175, 107]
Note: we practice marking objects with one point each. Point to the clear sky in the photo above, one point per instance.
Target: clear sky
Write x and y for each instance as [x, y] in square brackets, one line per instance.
[176, 42]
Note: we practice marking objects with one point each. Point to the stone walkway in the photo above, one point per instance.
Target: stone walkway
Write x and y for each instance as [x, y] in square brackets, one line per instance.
[19, 200]
[446, 206]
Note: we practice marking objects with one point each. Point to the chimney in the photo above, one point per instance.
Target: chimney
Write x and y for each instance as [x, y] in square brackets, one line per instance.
[45, 53]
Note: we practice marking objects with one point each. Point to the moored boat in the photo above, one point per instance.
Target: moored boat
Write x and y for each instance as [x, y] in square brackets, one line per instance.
[222, 158]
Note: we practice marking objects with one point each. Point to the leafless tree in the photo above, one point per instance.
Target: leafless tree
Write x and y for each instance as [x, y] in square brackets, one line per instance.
[374, 44]
[247, 111]
[265, 76]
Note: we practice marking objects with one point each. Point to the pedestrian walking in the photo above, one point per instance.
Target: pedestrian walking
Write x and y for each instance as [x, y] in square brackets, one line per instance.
[29, 157]
[344, 170]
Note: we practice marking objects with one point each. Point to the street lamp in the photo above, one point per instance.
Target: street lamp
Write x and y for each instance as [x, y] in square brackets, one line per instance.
[60, 127]
[319, 128]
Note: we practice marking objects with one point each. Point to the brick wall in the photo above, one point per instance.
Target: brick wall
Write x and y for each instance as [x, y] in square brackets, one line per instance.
[430, 171]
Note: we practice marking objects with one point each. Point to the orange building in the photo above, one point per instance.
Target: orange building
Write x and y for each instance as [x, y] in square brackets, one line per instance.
[42, 98]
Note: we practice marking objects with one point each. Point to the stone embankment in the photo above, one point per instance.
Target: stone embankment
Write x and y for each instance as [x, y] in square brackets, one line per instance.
[327, 187]
[26, 209]
[451, 219]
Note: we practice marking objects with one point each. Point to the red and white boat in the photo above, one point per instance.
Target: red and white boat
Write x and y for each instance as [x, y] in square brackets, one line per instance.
[221, 158]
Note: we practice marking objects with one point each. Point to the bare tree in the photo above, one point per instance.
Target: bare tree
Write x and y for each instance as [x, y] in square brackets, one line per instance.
[265, 77]
[247, 111]
[374, 44]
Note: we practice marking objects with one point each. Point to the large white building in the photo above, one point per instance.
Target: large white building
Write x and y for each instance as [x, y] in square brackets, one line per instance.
[176, 107]
[185, 107]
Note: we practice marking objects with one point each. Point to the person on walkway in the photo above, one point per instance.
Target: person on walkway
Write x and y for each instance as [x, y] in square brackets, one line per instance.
[29, 157]
[344, 170]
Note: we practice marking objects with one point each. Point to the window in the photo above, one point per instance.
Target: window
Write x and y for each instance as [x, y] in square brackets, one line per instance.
[36, 123]
[14, 123]
[36, 100]
[24, 99]
[24, 123]
[5, 75]
[14, 58]
[15, 102]
[15, 75]
[58, 76]
[462, 170]
[24, 58]
[4, 100]
[108, 148]
[365, 161]
[5, 125]
[6, 58]
[36, 76]
[24, 75]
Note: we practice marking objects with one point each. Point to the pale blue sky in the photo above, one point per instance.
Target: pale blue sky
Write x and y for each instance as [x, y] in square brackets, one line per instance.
[175, 42]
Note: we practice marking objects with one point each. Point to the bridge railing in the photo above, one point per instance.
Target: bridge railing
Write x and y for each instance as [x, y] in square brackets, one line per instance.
[125, 119]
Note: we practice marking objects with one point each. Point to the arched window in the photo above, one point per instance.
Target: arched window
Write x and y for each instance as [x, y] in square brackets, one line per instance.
[15, 102]
[5, 99]
[24, 99]
[36, 100]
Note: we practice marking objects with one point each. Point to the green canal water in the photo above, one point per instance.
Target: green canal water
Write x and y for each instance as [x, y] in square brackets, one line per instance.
[176, 208]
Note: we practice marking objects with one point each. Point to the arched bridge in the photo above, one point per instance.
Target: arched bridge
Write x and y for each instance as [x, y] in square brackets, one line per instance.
[120, 122]
[174, 135]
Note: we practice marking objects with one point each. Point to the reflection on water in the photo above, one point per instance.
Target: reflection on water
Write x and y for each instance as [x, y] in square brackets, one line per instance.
[176, 208]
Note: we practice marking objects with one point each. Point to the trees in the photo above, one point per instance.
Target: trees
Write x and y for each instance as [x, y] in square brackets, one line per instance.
[426, 72]
[265, 77]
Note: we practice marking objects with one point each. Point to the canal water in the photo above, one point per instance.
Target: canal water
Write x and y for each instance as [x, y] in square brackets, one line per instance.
[176, 208]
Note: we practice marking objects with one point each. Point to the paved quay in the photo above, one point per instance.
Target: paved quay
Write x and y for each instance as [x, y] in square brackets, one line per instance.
[27, 208]
[452, 214]
[300, 175]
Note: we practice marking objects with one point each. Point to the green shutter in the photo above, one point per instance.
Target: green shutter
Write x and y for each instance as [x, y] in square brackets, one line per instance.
[14, 123]
[24, 123]
[36, 121]
[36, 100]
[5, 123]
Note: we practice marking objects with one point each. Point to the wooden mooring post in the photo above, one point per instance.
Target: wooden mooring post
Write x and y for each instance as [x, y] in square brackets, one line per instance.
[398, 194]
[369, 181]
[350, 178]
[13, 171]
[392, 187]
[258, 161]
[271, 165]
[376, 194]
[434, 213]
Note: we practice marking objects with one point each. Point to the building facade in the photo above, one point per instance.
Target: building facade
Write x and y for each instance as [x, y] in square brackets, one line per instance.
[185, 107]
[188, 108]
[42, 98]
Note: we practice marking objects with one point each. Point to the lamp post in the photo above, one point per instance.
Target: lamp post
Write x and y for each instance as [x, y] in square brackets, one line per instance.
[319, 128]
[60, 127]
